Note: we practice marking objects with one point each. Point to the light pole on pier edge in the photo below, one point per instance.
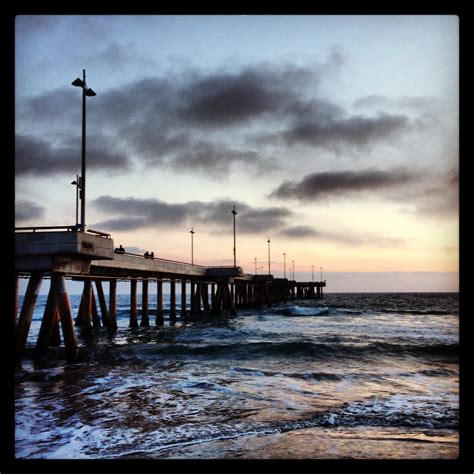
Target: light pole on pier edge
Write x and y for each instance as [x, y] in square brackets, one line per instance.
[312, 271]
[192, 245]
[86, 92]
[269, 272]
[284, 265]
[321, 268]
[255, 265]
[293, 266]
[233, 217]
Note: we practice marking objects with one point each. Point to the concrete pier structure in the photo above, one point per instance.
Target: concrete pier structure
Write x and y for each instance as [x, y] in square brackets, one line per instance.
[90, 257]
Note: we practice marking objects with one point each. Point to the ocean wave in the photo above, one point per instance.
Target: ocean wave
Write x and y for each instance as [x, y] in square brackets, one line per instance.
[395, 411]
[315, 350]
[311, 376]
[305, 311]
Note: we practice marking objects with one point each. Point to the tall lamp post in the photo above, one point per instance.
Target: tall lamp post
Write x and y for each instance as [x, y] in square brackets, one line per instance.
[255, 265]
[89, 93]
[268, 241]
[233, 217]
[192, 245]
[293, 266]
[312, 270]
[284, 265]
[321, 268]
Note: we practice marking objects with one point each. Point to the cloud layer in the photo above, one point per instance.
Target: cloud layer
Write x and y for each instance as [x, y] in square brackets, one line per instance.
[26, 210]
[215, 216]
[340, 183]
[130, 214]
[199, 121]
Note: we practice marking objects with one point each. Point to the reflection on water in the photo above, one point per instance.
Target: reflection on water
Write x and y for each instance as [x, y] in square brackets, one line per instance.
[343, 377]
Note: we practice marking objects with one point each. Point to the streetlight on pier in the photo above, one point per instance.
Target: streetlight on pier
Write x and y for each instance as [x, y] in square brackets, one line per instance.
[192, 245]
[86, 92]
[233, 217]
[321, 268]
[284, 265]
[78, 185]
[269, 272]
[312, 270]
[293, 266]
[255, 265]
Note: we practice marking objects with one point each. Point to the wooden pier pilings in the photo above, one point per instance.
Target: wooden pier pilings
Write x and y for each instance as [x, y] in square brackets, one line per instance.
[89, 258]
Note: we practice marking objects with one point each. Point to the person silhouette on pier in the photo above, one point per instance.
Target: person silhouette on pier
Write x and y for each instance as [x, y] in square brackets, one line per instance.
[152, 255]
[146, 254]
[120, 249]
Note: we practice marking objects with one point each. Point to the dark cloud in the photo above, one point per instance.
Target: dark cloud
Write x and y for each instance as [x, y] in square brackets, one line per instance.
[437, 196]
[214, 216]
[340, 183]
[336, 131]
[299, 231]
[25, 210]
[226, 99]
[34, 156]
[200, 121]
[216, 160]
[376, 101]
[345, 239]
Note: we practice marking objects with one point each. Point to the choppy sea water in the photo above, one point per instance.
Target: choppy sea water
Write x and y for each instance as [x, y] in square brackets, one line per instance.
[365, 376]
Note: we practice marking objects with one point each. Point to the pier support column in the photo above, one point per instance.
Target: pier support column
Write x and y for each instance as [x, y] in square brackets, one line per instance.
[103, 306]
[197, 298]
[183, 299]
[217, 300]
[95, 313]
[172, 300]
[192, 300]
[67, 323]
[205, 296]
[86, 312]
[47, 324]
[112, 304]
[56, 335]
[267, 296]
[159, 303]
[145, 322]
[133, 303]
[27, 310]
[229, 300]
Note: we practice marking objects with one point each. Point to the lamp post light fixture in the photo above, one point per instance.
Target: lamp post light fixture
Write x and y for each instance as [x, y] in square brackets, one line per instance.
[77, 183]
[192, 245]
[268, 241]
[312, 270]
[255, 265]
[293, 266]
[284, 265]
[321, 268]
[89, 93]
[233, 217]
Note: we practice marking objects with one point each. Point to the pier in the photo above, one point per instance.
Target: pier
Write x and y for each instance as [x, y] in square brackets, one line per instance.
[66, 252]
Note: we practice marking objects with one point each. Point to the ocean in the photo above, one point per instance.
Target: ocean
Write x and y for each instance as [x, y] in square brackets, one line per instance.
[351, 376]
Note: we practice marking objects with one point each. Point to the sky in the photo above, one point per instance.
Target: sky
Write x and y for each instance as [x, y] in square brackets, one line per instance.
[336, 137]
